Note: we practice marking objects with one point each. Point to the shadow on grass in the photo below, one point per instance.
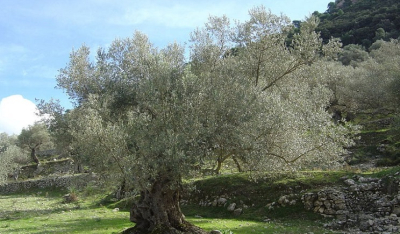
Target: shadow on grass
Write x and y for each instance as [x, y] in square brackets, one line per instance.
[247, 226]
[87, 225]
[31, 213]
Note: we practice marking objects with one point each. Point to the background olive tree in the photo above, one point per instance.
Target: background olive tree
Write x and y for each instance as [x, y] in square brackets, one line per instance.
[149, 117]
[374, 83]
[33, 138]
[10, 156]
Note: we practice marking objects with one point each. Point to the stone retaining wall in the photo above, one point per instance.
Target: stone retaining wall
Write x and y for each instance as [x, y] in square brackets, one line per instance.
[65, 166]
[368, 204]
[64, 181]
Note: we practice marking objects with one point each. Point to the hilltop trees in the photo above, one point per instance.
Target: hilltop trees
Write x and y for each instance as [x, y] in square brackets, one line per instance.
[148, 116]
[360, 22]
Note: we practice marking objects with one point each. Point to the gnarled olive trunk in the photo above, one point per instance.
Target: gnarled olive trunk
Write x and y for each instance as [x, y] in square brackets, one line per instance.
[33, 156]
[158, 211]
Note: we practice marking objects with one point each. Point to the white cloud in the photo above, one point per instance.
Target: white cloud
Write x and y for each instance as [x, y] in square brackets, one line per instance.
[16, 113]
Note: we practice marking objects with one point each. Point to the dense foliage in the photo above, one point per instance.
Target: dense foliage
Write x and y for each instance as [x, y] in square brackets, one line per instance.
[372, 80]
[360, 22]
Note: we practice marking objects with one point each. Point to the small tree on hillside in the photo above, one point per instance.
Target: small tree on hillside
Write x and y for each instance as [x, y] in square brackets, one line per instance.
[148, 114]
[375, 83]
[33, 138]
[10, 154]
[353, 55]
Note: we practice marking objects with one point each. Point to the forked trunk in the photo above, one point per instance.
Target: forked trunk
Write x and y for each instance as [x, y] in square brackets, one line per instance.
[158, 211]
[33, 156]
[237, 164]
[219, 166]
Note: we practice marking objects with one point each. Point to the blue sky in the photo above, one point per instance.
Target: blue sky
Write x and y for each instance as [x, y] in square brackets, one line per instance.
[36, 38]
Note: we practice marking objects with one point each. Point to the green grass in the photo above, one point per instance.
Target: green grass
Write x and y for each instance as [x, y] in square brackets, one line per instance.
[38, 213]
[281, 220]
[245, 226]
[45, 212]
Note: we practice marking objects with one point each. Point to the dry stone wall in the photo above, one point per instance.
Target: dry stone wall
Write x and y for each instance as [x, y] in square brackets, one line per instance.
[59, 167]
[64, 181]
[56, 173]
[368, 205]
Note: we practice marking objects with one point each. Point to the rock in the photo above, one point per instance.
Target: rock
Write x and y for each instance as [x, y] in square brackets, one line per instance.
[321, 210]
[222, 201]
[396, 210]
[362, 179]
[183, 202]
[364, 226]
[329, 211]
[322, 195]
[354, 188]
[349, 182]
[308, 200]
[267, 220]
[327, 204]
[318, 203]
[270, 206]
[215, 232]
[238, 211]
[393, 217]
[70, 197]
[286, 200]
[371, 222]
[340, 205]
[214, 203]
[283, 200]
[365, 217]
[231, 207]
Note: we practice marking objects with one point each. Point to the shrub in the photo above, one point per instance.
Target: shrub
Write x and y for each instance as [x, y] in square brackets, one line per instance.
[70, 197]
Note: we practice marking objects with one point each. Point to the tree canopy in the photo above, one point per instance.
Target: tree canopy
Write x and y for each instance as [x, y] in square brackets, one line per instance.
[148, 115]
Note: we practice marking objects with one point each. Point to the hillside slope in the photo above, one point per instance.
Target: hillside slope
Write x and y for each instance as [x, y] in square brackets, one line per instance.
[360, 22]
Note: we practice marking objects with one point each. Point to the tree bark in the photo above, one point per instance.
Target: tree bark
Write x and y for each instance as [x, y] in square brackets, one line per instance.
[158, 211]
[33, 156]
[219, 166]
[237, 164]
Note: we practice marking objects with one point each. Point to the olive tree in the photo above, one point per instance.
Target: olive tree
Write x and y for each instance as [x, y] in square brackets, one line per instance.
[148, 116]
[374, 83]
[353, 54]
[33, 138]
[10, 154]
[388, 70]
[276, 76]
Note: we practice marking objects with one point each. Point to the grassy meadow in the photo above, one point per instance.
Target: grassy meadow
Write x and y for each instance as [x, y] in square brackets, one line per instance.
[44, 211]
[38, 213]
